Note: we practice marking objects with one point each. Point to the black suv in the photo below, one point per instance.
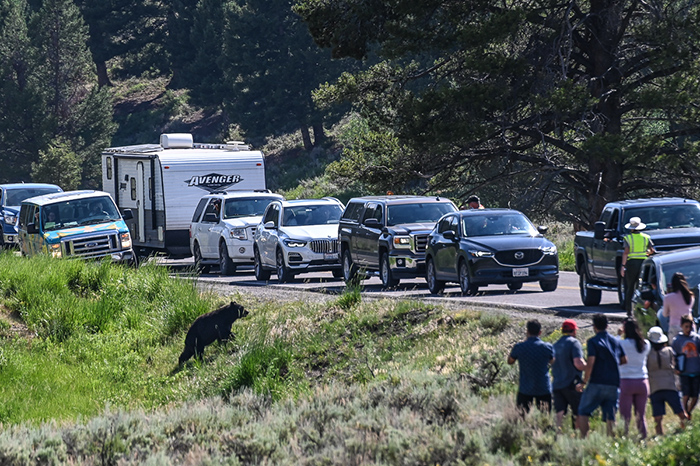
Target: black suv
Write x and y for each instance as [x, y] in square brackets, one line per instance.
[388, 235]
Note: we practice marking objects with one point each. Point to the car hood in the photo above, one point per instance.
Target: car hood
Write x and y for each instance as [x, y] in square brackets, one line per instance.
[412, 228]
[674, 238]
[311, 232]
[243, 222]
[10, 209]
[499, 243]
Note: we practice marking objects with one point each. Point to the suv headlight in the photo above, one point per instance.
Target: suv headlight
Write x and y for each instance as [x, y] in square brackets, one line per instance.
[402, 242]
[10, 219]
[126, 240]
[480, 253]
[295, 243]
[238, 233]
[549, 250]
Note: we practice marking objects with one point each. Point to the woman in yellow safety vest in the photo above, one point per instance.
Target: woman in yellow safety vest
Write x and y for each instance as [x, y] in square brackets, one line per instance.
[638, 246]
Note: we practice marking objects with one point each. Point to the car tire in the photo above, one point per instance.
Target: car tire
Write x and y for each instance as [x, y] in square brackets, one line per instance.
[589, 297]
[464, 282]
[349, 268]
[621, 290]
[515, 286]
[434, 285]
[261, 274]
[388, 279]
[549, 285]
[284, 275]
[198, 266]
[226, 265]
[338, 273]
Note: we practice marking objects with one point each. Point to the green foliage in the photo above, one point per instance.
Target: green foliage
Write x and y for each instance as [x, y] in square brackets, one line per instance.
[58, 165]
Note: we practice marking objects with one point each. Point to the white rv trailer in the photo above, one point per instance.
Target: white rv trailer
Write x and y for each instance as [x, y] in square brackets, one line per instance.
[162, 184]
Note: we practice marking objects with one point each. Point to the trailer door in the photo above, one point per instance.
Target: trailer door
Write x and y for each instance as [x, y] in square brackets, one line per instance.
[140, 204]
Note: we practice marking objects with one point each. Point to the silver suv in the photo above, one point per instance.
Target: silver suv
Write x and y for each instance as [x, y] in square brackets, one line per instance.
[223, 226]
[298, 236]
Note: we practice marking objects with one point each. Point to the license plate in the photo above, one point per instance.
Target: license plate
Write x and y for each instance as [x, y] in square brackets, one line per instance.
[521, 272]
[330, 257]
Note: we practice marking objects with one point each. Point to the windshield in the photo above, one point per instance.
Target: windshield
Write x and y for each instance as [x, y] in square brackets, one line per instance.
[497, 224]
[236, 208]
[79, 212]
[427, 212]
[673, 216]
[15, 196]
[312, 215]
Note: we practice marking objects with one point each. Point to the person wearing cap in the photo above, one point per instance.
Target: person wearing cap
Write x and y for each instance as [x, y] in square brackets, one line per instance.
[474, 203]
[662, 379]
[602, 376]
[634, 377]
[566, 373]
[534, 357]
[638, 246]
[686, 345]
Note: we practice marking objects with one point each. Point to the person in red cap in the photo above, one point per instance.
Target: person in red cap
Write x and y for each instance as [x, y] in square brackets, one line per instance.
[566, 373]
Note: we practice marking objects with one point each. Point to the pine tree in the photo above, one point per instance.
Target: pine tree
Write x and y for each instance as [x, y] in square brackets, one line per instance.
[58, 164]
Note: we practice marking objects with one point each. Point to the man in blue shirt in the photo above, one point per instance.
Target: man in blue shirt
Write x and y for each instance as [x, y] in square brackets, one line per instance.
[602, 376]
[534, 356]
[566, 373]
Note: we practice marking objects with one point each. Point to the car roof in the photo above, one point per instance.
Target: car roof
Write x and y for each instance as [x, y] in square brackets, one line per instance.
[654, 201]
[234, 194]
[399, 199]
[28, 185]
[469, 212]
[677, 255]
[324, 200]
[63, 197]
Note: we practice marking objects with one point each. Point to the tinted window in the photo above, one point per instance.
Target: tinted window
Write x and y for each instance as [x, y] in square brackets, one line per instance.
[444, 225]
[497, 224]
[236, 208]
[423, 212]
[353, 211]
[272, 214]
[199, 209]
[214, 208]
[312, 215]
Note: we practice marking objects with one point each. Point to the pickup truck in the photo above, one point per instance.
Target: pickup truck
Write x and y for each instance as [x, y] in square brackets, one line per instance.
[671, 222]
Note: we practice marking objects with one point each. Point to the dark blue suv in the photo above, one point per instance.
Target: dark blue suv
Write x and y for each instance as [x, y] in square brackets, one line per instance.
[11, 196]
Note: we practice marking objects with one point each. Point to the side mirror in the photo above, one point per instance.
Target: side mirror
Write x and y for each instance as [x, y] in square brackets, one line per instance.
[211, 217]
[269, 225]
[128, 214]
[599, 230]
[371, 222]
[32, 229]
[542, 229]
[449, 234]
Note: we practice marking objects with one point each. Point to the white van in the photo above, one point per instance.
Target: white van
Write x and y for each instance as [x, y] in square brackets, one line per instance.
[162, 184]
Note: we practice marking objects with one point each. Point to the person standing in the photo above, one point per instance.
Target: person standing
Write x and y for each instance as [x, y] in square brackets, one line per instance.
[634, 383]
[638, 246]
[676, 304]
[601, 375]
[686, 345]
[534, 356]
[566, 373]
[474, 203]
[662, 379]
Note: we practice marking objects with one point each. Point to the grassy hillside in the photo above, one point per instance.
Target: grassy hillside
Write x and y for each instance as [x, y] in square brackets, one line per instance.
[88, 375]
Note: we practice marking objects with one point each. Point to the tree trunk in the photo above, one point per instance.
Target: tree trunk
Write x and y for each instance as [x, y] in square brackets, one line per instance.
[319, 134]
[102, 75]
[306, 137]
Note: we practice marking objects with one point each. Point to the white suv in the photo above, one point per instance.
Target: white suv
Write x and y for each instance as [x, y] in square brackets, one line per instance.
[223, 226]
[298, 236]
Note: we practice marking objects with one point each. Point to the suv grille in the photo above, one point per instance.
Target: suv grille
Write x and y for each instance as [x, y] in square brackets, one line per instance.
[530, 256]
[324, 246]
[421, 242]
[91, 246]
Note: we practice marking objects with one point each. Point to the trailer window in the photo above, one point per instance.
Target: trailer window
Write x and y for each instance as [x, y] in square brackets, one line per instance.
[109, 168]
[150, 188]
[133, 188]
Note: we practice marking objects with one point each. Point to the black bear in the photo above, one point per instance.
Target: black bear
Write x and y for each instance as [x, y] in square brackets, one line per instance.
[214, 325]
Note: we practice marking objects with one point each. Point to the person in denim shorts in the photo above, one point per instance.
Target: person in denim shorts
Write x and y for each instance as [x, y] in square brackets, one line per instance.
[602, 376]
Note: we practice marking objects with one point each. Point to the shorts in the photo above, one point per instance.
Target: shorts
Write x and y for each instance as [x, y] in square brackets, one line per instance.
[524, 402]
[595, 395]
[659, 399]
[690, 385]
[565, 397]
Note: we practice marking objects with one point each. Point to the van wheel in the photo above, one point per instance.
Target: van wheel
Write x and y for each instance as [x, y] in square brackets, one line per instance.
[589, 297]
[260, 273]
[284, 275]
[226, 265]
[434, 285]
[464, 281]
[198, 266]
[349, 268]
[388, 279]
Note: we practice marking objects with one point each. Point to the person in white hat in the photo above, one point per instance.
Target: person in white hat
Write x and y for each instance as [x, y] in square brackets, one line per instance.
[638, 246]
[662, 381]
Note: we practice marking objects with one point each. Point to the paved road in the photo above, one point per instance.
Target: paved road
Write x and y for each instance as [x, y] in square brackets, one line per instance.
[564, 301]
